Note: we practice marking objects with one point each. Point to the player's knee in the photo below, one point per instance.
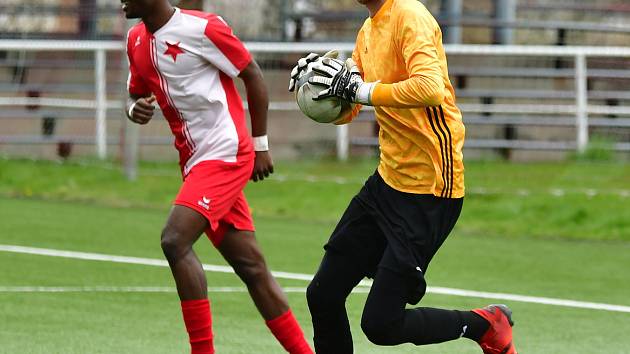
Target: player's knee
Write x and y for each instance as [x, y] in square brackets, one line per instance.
[380, 331]
[320, 297]
[312, 296]
[171, 244]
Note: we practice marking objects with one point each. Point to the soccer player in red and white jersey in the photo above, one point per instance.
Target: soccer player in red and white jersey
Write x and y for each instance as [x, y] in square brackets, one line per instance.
[186, 61]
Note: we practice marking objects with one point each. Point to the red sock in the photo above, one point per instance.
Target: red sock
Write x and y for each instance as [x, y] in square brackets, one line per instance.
[288, 332]
[199, 325]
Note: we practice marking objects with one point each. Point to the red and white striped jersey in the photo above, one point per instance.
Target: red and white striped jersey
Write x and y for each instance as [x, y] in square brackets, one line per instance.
[189, 65]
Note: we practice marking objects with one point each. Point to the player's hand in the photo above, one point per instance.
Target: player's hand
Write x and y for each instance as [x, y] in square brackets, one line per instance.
[263, 166]
[143, 110]
[300, 69]
[302, 65]
[339, 79]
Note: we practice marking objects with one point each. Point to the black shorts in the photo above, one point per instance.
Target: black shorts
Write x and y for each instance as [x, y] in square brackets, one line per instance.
[383, 227]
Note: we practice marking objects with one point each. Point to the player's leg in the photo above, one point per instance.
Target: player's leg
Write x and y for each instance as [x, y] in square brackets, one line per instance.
[415, 227]
[183, 228]
[326, 294]
[241, 250]
[353, 251]
[386, 321]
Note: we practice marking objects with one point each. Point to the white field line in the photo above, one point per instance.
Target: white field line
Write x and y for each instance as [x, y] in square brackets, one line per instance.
[126, 289]
[87, 289]
[281, 275]
[138, 260]
[130, 289]
[359, 290]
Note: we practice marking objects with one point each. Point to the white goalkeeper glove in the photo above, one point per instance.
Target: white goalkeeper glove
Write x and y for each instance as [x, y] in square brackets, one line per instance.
[342, 80]
[303, 63]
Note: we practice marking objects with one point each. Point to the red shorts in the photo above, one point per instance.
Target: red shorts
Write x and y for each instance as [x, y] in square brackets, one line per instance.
[215, 190]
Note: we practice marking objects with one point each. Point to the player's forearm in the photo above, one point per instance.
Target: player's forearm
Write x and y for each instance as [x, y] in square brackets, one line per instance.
[257, 98]
[258, 102]
[419, 91]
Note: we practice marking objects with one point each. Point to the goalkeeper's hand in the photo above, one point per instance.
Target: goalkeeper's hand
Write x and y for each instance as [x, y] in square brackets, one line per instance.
[342, 80]
[302, 65]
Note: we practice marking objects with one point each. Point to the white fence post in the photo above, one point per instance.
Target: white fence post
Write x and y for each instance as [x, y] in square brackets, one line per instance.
[343, 142]
[453, 10]
[581, 95]
[130, 149]
[100, 77]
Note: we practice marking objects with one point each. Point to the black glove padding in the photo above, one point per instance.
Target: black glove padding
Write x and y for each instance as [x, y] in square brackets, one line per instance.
[339, 79]
[302, 66]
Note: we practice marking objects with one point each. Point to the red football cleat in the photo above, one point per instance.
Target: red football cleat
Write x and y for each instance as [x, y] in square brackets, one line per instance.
[498, 338]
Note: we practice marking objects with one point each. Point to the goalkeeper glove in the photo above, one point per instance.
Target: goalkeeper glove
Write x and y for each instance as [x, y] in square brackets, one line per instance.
[342, 80]
[302, 65]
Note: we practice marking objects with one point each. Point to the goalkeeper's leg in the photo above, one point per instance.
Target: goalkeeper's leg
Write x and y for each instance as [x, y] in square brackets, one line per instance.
[326, 295]
[386, 321]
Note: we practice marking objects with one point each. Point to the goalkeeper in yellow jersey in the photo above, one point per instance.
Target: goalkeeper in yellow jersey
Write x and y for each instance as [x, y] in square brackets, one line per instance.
[395, 225]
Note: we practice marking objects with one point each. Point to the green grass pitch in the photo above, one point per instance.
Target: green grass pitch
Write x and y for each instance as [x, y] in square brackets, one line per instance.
[548, 230]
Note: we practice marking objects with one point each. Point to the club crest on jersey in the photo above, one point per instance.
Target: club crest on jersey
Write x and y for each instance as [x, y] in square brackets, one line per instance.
[173, 50]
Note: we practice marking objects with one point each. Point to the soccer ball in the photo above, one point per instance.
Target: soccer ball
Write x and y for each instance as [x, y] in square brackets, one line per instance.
[325, 111]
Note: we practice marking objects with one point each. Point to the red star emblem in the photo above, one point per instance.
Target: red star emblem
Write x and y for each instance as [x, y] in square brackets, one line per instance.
[173, 50]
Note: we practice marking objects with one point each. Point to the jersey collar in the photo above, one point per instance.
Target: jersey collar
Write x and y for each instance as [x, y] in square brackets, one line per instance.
[170, 21]
[383, 11]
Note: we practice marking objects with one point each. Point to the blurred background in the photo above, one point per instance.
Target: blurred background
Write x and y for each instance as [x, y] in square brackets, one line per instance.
[520, 102]
[544, 90]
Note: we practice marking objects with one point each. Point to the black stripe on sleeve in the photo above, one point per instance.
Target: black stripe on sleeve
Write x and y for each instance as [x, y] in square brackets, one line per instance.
[446, 145]
[450, 152]
[444, 180]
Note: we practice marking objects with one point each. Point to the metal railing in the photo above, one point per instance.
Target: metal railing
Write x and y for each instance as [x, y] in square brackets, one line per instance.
[577, 107]
[25, 20]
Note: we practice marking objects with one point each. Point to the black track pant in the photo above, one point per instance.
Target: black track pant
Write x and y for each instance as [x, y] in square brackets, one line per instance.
[385, 321]
[370, 240]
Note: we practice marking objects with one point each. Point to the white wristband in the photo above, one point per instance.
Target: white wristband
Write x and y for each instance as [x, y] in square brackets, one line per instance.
[130, 111]
[261, 143]
[364, 93]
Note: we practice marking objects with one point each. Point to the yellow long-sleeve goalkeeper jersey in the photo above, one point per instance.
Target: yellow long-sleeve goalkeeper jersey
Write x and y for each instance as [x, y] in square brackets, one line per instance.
[421, 130]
